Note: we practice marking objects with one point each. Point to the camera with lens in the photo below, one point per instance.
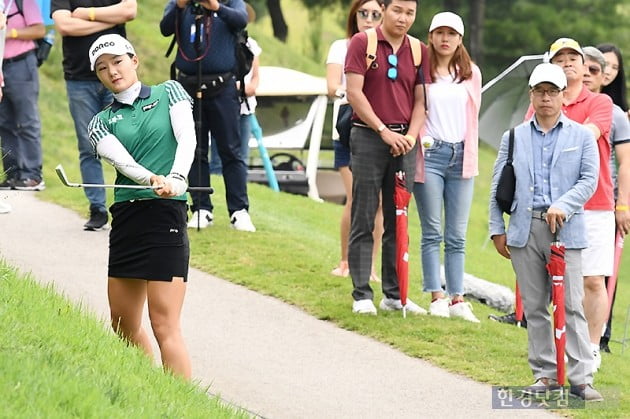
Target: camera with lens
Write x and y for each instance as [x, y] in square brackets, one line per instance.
[197, 9]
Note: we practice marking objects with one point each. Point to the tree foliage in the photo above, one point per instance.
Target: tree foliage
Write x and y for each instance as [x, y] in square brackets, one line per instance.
[511, 28]
[515, 28]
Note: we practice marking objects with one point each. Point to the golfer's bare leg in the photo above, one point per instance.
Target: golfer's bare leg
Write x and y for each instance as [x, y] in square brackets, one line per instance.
[595, 306]
[126, 301]
[165, 307]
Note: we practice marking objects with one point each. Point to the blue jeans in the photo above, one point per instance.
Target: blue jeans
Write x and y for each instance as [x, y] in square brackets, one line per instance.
[444, 185]
[86, 99]
[20, 125]
[246, 133]
[216, 168]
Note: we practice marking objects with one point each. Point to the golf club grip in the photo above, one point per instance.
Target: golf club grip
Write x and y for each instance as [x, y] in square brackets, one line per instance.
[208, 189]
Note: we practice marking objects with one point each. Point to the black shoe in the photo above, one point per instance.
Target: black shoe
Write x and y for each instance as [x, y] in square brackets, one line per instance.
[97, 221]
[7, 184]
[586, 392]
[508, 319]
[603, 346]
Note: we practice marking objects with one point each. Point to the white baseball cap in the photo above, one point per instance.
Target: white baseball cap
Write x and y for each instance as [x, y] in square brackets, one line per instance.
[109, 44]
[548, 73]
[448, 19]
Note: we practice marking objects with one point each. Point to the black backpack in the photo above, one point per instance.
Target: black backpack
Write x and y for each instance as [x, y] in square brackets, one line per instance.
[244, 61]
[42, 47]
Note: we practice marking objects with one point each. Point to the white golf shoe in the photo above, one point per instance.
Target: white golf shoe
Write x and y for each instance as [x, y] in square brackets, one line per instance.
[364, 307]
[241, 221]
[201, 219]
[464, 310]
[391, 304]
[439, 307]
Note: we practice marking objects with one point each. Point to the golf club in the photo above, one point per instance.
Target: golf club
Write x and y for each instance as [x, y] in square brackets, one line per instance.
[64, 179]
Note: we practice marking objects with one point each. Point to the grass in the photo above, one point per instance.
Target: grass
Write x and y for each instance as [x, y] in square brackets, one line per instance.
[297, 243]
[58, 360]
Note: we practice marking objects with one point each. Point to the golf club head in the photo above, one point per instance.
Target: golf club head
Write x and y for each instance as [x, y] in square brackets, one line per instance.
[62, 175]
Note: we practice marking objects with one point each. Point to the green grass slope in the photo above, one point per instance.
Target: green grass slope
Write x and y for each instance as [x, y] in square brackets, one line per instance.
[58, 361]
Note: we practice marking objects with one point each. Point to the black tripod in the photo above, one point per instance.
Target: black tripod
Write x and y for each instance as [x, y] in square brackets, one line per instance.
[203, 19]
[199, 99]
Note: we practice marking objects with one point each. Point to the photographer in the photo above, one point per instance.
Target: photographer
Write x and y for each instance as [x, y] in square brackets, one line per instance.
[206, 38]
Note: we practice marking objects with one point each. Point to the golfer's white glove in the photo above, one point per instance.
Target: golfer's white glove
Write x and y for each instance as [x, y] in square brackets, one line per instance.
[178, 183]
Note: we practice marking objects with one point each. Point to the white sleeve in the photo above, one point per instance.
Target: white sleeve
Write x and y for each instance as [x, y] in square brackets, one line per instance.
[184, 131]
[117, 155]
[254, 47]
[337, 52]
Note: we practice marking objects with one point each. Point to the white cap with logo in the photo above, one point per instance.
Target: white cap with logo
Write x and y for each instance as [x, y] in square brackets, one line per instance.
[548, 73]
[109, 44]
[448, 19]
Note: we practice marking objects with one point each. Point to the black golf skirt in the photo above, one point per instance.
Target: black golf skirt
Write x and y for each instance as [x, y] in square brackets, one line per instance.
[148, 240]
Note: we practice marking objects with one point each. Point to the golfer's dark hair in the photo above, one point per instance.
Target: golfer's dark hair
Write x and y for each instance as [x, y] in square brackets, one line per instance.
[351, 26]
[388, 2]
[617, 88]
[460, 64]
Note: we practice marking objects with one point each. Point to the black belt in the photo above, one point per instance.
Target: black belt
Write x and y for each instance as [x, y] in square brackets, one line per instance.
[18, 57]
[392, 127]
[213, 80]
[540, 214]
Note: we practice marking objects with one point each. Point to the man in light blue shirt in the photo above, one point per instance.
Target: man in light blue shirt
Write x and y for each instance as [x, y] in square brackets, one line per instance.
[556, 165]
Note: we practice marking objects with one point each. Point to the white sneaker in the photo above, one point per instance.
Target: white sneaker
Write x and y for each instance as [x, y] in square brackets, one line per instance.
[364, 307]
[597, 360]
[463, 310]
[201, 219]
[440, 307]
[242, 222]
[4, 208]
[390, 304]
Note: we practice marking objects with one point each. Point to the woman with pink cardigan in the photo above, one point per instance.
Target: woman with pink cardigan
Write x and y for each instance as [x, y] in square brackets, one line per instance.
[445, 180]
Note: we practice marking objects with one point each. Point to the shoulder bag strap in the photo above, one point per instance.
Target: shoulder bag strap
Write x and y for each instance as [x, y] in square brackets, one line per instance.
[370, 50]
[510, 147]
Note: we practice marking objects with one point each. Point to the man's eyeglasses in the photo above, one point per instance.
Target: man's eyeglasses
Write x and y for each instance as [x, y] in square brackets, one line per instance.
[543, 92]
[365, 14]
[392, 72]
[594, 70]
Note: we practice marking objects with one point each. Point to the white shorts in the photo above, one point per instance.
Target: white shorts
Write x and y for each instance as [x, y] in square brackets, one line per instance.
[598, 257]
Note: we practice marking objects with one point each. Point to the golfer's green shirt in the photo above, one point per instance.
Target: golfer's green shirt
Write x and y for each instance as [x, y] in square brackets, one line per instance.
[145, 130]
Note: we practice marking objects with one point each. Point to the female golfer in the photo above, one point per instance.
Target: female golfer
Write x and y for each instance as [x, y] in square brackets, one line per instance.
[450, 164]
[148, 135]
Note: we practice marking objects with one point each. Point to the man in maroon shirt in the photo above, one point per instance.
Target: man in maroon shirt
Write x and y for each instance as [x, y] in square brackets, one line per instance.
[388, 103]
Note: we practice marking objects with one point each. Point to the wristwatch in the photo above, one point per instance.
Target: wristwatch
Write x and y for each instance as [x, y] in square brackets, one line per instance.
[381, 128]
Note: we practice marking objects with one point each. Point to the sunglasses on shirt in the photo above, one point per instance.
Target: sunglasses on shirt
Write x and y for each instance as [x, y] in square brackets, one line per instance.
[392, 72]
[365, 14]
